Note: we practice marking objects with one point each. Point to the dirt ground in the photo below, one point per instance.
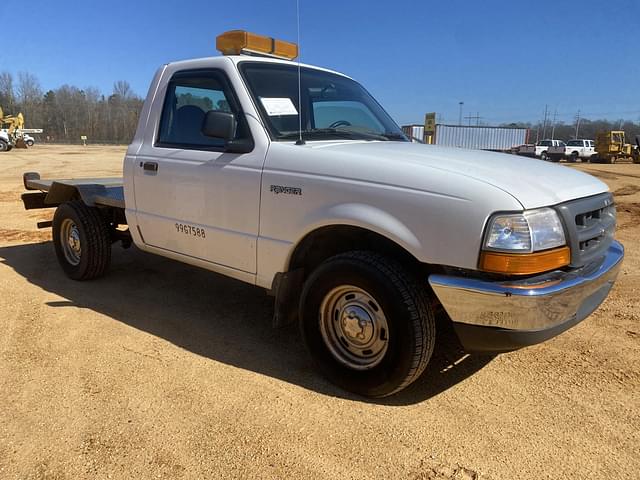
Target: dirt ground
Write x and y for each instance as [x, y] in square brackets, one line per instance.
[161, 370]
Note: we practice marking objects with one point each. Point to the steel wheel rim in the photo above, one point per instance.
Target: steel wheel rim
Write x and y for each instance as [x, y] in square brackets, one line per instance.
[70, 240]
[354, 327]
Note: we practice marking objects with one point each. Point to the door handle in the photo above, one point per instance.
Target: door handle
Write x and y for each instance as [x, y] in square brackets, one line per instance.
[150, 166]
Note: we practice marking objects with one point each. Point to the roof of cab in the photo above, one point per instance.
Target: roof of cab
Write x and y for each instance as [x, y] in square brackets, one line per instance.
[236, 59]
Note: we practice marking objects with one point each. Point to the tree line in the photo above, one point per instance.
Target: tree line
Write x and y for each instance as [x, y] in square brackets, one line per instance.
[68, 112]
[586, 129]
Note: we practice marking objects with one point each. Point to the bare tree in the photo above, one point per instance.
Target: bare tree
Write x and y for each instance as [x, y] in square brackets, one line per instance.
[29, 90]
[7, 95]
[122, 89]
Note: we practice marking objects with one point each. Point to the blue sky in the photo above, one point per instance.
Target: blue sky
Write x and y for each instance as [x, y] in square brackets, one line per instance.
[504, 59]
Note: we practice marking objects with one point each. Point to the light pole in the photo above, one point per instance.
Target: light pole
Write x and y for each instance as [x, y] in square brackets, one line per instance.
[460, 113]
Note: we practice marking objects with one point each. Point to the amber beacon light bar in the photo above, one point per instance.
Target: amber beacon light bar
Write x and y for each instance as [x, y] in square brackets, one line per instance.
[236, 42]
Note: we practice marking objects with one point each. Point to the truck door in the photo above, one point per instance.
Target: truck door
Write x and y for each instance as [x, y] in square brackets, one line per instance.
[192, 197]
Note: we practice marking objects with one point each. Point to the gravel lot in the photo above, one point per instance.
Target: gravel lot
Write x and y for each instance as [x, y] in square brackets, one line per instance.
[161, 370]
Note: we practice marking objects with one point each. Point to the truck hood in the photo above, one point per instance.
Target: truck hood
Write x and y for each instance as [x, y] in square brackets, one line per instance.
[533, 183]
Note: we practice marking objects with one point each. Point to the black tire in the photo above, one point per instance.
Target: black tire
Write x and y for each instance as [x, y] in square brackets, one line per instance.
[94, 238]
[4, 146]
[29, 143]
[544, 156]
[573, 158]
[403, 301]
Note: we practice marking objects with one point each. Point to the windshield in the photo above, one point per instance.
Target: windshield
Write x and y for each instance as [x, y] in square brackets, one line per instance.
[333, 106]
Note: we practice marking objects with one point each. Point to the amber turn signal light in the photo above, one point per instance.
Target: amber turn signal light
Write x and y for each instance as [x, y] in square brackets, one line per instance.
[236, 42]
[525, 263]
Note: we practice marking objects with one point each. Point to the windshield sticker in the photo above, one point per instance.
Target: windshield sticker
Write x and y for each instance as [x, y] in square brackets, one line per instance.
[278, 106]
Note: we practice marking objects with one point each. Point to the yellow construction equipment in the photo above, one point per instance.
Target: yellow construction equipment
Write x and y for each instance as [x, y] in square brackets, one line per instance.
[611, 148]
[12, 131]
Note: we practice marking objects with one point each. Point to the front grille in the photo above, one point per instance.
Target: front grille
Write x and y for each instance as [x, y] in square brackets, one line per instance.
[590, 224]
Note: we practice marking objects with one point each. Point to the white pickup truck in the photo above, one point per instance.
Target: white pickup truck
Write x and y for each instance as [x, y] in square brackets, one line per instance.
[580, 149]
[6, 144]
[548, 150]
[293, 178]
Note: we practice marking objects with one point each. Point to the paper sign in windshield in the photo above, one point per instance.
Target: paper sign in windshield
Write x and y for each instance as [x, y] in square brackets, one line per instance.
[278, 106]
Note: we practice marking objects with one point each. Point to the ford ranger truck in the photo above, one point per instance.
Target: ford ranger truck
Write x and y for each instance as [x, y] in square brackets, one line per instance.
[293, 178]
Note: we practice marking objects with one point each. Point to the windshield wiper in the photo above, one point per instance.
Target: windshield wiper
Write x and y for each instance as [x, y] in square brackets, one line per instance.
[395, 136]
[333, 132]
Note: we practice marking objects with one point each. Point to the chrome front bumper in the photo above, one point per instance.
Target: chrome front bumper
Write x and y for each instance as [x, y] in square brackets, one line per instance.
[503, 316]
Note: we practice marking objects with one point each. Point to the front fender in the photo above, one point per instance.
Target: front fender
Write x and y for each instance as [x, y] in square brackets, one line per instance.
[367, 217]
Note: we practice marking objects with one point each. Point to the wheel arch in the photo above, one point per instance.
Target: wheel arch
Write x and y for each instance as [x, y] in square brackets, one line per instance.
[359, 225]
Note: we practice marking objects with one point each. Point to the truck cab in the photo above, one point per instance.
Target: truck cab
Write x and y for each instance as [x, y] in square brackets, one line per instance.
[550, 150]
[580, 149]
[293, 178]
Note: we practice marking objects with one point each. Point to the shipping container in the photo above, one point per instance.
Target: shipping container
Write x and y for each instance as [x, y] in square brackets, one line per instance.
[414, 132]
[481, 138]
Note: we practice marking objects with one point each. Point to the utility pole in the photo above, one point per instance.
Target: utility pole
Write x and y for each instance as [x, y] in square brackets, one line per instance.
[544, 125]
[475, 117]
[577, 124]
[460, 113]
[553, 129]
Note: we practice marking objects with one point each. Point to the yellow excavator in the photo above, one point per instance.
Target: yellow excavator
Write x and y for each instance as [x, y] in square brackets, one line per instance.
[12, 131]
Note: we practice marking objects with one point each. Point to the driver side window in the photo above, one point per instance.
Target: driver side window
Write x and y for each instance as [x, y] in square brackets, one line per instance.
[190, 95]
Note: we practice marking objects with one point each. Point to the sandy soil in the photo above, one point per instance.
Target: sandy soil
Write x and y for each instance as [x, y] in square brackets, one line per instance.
[161, 370]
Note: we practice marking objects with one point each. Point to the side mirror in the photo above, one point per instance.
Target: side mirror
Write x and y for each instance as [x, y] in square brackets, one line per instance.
[218, 124]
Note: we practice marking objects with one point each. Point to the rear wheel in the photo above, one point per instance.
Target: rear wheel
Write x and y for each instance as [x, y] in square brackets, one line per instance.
[82, 241]
[544, 156]
[367, 323]
[29, 143]
[573, 158]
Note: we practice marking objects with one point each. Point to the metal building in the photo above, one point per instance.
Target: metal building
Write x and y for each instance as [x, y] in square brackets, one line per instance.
[474, 137]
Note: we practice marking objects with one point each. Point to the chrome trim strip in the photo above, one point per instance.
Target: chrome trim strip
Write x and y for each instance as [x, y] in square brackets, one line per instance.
[532, 304]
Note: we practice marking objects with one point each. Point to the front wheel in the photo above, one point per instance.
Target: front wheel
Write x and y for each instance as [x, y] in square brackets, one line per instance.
[82, 241]
[29, 143]
[367, 323]
[544, 156]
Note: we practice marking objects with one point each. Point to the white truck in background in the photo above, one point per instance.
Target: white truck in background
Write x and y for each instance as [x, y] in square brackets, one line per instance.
[360, 235]
[582, 149]
[548, 149]
[6, 143]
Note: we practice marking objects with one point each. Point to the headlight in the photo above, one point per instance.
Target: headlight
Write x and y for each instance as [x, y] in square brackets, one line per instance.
[524, 243]
[530, 231]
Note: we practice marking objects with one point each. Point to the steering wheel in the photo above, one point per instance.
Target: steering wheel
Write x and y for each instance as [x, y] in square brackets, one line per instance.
[340, 123]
